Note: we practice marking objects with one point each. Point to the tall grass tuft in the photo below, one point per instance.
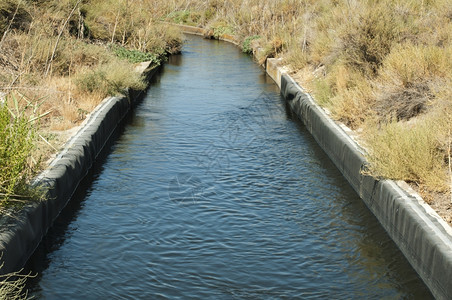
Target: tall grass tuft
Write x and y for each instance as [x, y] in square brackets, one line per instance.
[17, 137]
[408, 151]
[109, 79]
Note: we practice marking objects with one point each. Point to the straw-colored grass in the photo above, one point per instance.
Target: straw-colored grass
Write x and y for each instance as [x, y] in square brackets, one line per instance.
[410, 152]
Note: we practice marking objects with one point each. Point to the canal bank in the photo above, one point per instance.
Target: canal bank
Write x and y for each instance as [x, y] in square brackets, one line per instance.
[421, 234]
[22, 230]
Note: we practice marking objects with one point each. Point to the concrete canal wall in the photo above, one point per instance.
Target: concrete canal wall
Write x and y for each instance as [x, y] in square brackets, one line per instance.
[422, 236]
[21, 231]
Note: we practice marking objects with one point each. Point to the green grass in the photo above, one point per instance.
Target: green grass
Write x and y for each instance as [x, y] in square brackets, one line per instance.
[135, 56]
[246, 46]
[17, 142]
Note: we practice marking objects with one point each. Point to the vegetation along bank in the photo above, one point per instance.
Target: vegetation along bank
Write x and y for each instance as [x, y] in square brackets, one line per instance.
[381, 67]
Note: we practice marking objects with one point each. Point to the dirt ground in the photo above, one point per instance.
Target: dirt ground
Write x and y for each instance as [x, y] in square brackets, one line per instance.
[441, 203]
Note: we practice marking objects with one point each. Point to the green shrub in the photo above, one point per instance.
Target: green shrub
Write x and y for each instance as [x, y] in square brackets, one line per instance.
[246, 46]
[16, 144]
[185, 17]
[221, 28]
[135, 56]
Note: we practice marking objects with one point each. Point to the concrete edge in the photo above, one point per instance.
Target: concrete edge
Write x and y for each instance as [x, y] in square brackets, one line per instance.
[421, 234]
[22, 231]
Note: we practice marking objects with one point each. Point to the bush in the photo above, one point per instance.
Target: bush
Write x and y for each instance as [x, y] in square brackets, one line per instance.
[184, 17]
[16, 145]
[109, 79]
[221, 28]
[246, 46]
[409, 152]
[135, 56]
[410, 78]
[369, 36]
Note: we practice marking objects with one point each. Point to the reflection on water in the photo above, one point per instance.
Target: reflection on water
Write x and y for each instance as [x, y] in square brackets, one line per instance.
[215, 190]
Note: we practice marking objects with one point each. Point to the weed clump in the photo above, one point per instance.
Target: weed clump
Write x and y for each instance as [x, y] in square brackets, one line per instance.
[109, 79]
[17, 142]
[135, 56]
[410, 152]
[246, 46]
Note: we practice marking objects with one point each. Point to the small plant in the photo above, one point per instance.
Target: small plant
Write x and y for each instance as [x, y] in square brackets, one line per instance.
[246, 46]
[17, 136]
[135, 56]
[109, 79]
[185, 17]
[408, 152]
[221, 28]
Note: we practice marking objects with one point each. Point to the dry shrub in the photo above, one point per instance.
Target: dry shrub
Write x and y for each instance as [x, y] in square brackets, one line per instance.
[14, 16]
[408, 151]
[351, 105]
[322, 92]
[369, 36]
[157, 39]
[130, 23]
[409, 79]
[108, 79]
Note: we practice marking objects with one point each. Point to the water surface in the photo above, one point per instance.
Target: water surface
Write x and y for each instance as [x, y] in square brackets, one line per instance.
[214, 190]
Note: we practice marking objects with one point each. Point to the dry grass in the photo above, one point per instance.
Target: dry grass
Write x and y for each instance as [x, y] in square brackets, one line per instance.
[57, 52]
[410, 78]
[409, 151]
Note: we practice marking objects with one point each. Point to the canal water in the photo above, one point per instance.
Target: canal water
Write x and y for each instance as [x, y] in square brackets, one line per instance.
[213, 189]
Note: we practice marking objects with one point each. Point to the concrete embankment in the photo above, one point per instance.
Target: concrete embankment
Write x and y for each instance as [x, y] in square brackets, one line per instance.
[422, 236]
[21, 231]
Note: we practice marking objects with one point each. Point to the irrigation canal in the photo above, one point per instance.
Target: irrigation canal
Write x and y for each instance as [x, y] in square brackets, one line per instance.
[214, 190]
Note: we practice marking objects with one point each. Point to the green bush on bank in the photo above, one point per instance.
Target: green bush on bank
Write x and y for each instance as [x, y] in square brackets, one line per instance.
[17, 137]
[246, 46]
[135, 56]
